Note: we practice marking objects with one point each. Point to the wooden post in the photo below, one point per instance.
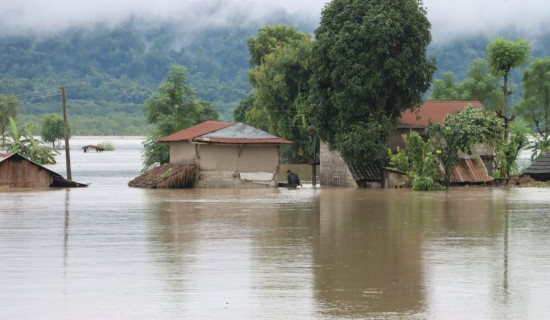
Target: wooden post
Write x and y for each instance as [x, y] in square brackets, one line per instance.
[314, 165]
[314, 161]
[66, 131]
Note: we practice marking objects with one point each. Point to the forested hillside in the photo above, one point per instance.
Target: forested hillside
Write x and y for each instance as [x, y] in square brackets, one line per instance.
[109, 72]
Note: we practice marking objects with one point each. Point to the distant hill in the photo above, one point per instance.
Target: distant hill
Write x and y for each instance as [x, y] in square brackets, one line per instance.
[109, 72]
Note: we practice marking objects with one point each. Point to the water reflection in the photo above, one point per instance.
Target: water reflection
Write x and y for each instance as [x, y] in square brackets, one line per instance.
[232, 253]
[367, 256]
[113, 252]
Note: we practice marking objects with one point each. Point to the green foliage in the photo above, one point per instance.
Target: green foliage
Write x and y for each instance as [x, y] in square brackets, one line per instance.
[172, 108]
[418, 162]
[106, 145]
[479, 85]
[446, 89]
[369, 64]
[8, 109]
[23, 142]
[244, 106]
[535, 107]
[53, 128]
[280, 57]
[508, 152]
[459, 133]
[504, 55]
[400, 159]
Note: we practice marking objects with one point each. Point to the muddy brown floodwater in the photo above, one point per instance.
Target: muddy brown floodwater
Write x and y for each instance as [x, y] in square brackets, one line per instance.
[113, 252]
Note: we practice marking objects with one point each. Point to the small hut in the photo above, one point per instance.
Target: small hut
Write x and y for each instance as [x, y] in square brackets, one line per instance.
[540, 169]
[17, 171]
[227, 155]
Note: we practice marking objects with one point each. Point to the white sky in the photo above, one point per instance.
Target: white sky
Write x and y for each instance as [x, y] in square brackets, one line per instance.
[448, 17]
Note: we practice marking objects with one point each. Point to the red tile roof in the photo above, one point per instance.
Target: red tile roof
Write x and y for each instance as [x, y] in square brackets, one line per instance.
[434, 111]
[195, 131]
[202, 133]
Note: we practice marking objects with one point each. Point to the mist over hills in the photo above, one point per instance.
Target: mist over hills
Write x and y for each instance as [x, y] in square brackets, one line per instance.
[109, 69]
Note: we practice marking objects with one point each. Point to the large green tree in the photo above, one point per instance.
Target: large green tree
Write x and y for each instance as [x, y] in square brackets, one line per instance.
[535, 106]
[369, 64]
[171, 108]
[8, 109]
[53, 128]
[280, 80]
[503, 56]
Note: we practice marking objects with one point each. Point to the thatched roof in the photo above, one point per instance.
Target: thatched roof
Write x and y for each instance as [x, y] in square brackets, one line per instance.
[167, 176]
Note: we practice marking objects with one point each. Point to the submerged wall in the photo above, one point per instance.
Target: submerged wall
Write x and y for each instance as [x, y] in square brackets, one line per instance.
[334, 171]
[229, 166]
[20, 173]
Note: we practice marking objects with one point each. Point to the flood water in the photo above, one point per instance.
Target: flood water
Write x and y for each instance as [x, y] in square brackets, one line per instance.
[113, 252]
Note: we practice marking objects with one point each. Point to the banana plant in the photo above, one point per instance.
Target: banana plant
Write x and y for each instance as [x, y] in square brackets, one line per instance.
[23, 142]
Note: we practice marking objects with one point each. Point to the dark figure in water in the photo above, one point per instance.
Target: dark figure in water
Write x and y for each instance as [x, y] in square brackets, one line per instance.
[293, 180]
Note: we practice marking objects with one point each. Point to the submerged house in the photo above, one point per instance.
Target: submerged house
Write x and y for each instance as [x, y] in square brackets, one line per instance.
[227, 155]
[17, 171]
[335, 172]
[540, 169]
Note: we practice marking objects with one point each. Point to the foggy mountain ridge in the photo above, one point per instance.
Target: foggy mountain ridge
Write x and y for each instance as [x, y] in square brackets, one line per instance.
[114, 67]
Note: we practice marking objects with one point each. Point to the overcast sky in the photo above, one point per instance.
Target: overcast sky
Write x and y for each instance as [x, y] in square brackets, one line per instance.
[448, 17]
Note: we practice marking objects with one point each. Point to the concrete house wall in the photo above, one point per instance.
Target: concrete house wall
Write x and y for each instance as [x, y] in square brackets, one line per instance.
[229, 166]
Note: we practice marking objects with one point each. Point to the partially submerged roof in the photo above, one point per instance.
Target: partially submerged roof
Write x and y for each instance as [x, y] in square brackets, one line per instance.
[434, 111]
[58, 180]
[540, 169]
[224, 133]
[365, 172]
[469, 170]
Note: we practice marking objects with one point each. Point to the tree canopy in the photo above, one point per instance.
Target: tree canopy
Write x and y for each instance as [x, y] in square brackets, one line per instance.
[479, 85]
[53, 128]
[280, 80]
[504, 55]
[171, 108]
[8, 109]
[369, 64]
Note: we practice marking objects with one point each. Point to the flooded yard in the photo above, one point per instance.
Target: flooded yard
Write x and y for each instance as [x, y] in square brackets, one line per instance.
[113, 252]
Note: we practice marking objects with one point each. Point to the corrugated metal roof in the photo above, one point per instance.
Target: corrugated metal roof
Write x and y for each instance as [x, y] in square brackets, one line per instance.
[225, 133]
[540, 166]
[469, 170]
[243, 141]
[434, 111]
[195, 131]
[365, 172]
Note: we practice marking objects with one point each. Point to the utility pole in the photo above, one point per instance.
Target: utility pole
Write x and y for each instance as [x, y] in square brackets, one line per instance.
[66, 131]
[314, 162]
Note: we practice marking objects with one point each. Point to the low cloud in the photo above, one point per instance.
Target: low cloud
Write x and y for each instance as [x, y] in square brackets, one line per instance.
[449, 18]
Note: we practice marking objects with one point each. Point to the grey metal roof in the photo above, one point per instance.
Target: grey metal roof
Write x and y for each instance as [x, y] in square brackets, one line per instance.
[240, 131]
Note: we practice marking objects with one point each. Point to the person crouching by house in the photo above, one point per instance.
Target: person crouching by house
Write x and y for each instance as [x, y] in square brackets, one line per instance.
[292, 178]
